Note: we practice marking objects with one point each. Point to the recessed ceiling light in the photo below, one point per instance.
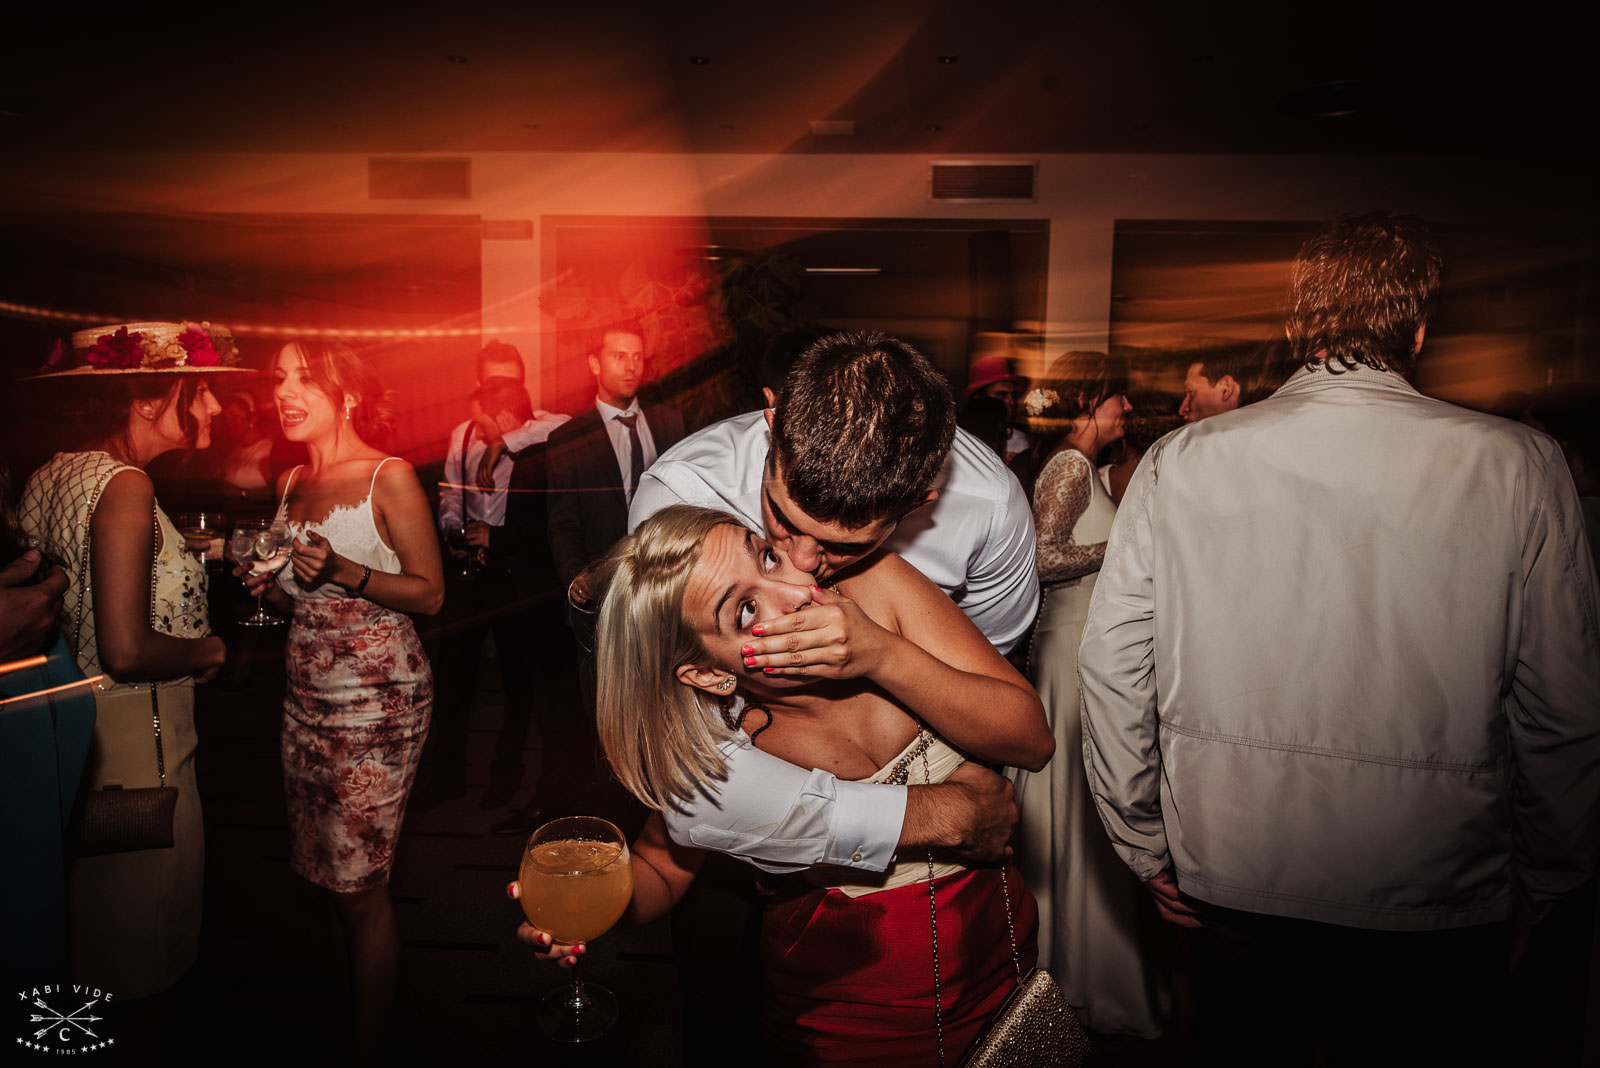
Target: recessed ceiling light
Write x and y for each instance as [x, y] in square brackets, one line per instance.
[699, 61]
[456, 59]
[946, 60]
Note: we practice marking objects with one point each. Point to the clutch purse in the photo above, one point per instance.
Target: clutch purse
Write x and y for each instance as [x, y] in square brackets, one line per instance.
[1034, 1026]
[114, 820]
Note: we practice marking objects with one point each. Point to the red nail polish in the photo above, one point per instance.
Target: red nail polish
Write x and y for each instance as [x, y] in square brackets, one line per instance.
[511, 891]
[767, 670]
[748, 650]
[758, 630]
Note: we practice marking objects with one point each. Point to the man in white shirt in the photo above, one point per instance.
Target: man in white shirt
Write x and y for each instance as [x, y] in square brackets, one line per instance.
[860, 451]
[1341, 687]
[479, 600]
[469, 510]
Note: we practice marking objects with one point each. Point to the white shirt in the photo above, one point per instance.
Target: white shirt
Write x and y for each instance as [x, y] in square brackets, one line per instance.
[1341, 662]
[620, 441]
[460, 484]
[975, 541]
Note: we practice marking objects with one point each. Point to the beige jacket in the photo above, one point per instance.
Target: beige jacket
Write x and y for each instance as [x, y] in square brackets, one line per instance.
[1342, 663]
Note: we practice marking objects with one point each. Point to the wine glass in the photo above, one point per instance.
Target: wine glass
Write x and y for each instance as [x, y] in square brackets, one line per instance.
[264, 547]
[202, 530]
[576, 881]
[468, 560]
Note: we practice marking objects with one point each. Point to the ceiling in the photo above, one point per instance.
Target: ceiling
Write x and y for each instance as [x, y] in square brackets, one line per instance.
[944, 79]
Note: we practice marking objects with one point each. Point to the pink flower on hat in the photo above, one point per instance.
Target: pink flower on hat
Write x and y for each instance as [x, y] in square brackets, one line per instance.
[120, 349]
[197, 344]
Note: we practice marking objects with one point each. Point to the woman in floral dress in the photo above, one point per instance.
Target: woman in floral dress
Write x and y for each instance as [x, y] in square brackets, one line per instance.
[134, 614]
[360, 691]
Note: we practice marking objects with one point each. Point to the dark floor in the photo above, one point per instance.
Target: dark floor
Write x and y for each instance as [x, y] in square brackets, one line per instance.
[265, 984]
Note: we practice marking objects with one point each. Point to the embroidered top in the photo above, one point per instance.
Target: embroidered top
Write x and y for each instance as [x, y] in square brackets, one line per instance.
[55, 513]
[349, 528]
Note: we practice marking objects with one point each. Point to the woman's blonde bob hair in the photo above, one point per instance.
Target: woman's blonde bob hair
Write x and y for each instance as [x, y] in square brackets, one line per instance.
[660, 735]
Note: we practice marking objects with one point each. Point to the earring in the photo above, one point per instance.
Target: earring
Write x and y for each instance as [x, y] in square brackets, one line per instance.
[348, 408]
[727, 684]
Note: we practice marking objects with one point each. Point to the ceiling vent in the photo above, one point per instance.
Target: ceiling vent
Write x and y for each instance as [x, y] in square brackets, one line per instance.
[410, 178]
[959, 181]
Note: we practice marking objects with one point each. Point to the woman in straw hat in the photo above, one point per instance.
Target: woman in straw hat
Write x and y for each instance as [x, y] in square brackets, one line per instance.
[135, 614]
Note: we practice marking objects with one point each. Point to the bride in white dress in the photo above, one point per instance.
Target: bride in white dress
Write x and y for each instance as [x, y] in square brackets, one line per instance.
[1094, 917]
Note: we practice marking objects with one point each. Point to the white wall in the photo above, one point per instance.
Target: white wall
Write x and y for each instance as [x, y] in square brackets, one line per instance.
[1082, 196]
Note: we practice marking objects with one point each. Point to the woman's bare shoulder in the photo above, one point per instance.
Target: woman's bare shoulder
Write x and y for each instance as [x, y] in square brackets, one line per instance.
[886, 586]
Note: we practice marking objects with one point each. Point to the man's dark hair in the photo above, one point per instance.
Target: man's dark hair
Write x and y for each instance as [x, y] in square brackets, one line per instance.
[500, 352]
[1257, 366]
[1360, 289]
[862, 427]
[597, 339]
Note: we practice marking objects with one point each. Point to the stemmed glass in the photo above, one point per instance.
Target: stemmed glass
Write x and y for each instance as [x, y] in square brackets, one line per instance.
[199, 530]
[469, 560]
[576, 881]
[265, 548]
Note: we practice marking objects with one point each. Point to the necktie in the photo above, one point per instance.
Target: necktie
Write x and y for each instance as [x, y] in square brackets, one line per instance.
[635, 451]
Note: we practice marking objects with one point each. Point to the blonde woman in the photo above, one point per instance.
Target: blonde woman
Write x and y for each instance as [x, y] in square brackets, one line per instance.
[693, 602]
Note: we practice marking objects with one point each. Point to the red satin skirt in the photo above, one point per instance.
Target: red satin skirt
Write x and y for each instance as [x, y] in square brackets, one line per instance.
[850, 980]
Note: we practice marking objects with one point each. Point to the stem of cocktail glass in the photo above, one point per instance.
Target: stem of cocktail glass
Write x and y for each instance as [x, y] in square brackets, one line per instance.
[577, 998]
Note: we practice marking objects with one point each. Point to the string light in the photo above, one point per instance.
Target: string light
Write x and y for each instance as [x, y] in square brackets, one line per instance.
[28, 311]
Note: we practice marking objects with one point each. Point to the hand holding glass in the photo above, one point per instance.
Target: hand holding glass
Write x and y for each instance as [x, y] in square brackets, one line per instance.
[199, 530]
[576, 882]
[263, 548]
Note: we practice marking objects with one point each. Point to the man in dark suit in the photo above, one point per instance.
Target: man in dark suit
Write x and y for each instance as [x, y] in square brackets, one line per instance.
[596, 458]
[594, 461]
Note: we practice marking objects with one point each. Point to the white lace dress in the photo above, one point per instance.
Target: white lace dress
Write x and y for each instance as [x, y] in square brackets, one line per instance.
[133, 919]
[1096, 924]
[355, 713]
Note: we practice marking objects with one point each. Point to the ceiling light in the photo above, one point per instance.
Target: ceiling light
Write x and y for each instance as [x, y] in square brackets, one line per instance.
[699, 61]
[946, 60]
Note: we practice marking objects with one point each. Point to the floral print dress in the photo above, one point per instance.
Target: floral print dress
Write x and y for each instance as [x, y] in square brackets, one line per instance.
[355, 713]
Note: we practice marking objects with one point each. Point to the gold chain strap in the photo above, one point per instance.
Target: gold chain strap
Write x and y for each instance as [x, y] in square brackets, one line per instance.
[933, 923]
[155, 705]
[86, 590]
[933, 920]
